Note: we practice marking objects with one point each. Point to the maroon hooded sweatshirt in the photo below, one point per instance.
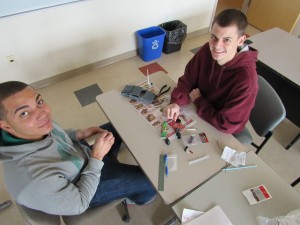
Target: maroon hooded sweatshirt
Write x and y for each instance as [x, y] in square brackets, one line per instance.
[228, 91]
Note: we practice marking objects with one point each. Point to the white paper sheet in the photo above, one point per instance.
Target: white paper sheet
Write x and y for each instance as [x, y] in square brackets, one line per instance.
[189, 215]
[214, 216]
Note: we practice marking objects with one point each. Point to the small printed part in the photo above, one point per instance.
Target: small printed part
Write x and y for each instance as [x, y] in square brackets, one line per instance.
[167, 141]
[164, 127]
[186, 147]
[178, 134]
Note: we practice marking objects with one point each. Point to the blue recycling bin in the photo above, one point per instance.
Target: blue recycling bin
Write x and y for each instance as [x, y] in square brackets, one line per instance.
[150, 42]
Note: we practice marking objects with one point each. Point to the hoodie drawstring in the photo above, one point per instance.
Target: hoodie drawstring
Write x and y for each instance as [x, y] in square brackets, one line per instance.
[219, 76]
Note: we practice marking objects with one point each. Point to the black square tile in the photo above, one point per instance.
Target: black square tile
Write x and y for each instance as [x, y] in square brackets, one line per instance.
[88, 94]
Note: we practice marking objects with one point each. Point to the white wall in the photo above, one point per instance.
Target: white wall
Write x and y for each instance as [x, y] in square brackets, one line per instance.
[59, 39]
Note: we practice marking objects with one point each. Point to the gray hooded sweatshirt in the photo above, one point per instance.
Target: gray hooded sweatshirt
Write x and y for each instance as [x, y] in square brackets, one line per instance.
[55, 175]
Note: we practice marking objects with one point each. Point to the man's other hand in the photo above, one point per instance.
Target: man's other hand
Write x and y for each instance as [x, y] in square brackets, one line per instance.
[194, 94]
[102, 145]
[82, 134]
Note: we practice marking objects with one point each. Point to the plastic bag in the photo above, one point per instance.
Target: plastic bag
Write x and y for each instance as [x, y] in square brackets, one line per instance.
[175, 31]
[293, 218]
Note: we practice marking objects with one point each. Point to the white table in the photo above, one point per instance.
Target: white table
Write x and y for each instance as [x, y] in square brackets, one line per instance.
[225, 190]
[280, 51]
[145, 144]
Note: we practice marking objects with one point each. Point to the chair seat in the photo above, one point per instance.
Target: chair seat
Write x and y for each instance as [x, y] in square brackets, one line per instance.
[34, 217]
[90, 213]
[244, 137]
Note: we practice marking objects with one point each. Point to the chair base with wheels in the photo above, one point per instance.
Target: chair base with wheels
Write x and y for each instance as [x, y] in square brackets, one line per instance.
[35, 217]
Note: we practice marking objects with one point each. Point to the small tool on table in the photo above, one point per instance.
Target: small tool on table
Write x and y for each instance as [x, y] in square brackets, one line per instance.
[201, 158]
[161, 172]
[163, 90]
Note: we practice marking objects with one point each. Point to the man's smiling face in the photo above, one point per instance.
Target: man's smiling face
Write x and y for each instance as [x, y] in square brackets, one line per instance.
[27, 115]
[224, 42]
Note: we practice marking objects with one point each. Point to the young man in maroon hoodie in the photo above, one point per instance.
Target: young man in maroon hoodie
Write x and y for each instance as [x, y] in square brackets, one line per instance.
[221, 79]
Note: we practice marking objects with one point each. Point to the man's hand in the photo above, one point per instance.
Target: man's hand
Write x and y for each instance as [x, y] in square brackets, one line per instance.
[172, 111]
[86, 133]
[102, 145]
[194, 94]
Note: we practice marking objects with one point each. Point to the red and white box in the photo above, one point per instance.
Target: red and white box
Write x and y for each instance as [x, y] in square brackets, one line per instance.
[257, 194]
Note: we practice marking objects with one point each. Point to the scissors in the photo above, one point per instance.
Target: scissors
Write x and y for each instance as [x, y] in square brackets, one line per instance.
[163, 90]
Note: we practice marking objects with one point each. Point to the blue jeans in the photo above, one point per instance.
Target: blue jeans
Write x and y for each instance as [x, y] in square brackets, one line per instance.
[120, 180]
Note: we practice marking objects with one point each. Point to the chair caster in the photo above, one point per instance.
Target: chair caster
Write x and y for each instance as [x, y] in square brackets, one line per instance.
[126, 219]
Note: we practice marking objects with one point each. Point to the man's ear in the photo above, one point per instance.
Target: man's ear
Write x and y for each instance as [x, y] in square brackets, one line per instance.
[241, 40]
[4, 125]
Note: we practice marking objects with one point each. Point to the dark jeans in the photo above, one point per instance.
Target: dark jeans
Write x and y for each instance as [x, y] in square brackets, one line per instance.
[120, 180]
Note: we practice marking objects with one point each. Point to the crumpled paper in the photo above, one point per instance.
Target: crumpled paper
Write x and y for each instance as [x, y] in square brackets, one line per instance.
[234, 157]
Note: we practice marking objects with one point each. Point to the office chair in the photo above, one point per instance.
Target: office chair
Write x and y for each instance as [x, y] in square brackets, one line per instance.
[267, 113]
[35, 217]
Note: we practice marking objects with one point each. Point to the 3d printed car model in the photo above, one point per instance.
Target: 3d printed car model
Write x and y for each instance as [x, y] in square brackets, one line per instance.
[138, 93]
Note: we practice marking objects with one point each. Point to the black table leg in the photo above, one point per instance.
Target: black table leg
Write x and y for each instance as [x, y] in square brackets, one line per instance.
[293, 142]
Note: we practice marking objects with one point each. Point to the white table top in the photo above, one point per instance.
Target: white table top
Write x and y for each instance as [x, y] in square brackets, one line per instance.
[280, 51]
[146, 145]
[225, 190]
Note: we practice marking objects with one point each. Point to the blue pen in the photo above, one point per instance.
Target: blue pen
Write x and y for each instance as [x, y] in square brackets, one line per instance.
[166, 164]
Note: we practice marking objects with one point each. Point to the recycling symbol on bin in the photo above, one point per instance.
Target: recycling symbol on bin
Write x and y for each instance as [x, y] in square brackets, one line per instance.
[155, 44]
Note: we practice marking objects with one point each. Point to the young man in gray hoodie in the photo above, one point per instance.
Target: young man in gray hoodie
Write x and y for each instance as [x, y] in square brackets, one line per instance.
[49, 169]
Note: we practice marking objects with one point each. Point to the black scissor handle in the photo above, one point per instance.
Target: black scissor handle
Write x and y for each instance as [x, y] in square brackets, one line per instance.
[163, 90]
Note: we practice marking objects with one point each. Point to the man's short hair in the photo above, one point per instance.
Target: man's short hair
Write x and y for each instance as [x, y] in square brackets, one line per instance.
[230, 17]
[8, 89]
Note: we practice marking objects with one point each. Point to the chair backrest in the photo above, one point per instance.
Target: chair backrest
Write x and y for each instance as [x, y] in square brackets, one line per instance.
[268, 111]
[35, 217]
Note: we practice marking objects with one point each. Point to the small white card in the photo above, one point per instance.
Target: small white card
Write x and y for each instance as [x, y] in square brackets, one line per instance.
[257, 194]
[214, 216]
